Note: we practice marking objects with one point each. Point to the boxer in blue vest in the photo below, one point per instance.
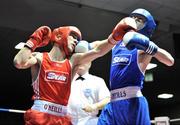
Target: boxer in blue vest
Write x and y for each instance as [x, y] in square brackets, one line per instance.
[130, 58]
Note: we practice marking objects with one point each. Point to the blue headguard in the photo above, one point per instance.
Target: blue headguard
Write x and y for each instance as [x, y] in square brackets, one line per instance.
[149, 25]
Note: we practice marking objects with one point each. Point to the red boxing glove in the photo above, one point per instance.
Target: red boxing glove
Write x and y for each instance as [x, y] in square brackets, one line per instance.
[39, 38]
[125, 25]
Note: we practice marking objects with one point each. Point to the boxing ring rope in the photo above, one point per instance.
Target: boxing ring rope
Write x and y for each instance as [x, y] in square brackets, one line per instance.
[153, 122]
[164, 120]
[12, 110]
[157, 120]
[175, 120]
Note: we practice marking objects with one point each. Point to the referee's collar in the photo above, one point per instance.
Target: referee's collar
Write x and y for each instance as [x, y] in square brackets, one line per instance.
[85, 75]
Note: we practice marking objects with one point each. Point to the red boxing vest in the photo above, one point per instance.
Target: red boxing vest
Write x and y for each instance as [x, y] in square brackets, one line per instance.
[53, 81]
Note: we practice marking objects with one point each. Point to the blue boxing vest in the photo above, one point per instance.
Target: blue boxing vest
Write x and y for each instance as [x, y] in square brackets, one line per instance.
[124, 68]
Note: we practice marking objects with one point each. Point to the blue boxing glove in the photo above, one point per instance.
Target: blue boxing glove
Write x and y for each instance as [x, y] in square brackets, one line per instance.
[82, 47]
[136, 40]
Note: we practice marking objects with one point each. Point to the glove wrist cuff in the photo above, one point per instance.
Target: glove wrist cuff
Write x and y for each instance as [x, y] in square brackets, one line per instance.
[152, 48]
[31, 44]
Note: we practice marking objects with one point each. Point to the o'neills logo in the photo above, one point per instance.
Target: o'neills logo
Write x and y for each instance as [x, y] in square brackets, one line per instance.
[120, 94]
[56, 76]
[53, 108]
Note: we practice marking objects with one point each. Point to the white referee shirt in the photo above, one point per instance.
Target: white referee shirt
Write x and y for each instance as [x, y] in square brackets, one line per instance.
[88, 91]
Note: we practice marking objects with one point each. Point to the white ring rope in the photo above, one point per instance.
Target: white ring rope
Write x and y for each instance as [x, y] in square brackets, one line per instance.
[169, 121]
[175, 120]
[12, 110]
[23, 111]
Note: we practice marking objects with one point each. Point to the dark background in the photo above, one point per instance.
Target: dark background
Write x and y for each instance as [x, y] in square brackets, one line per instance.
[95, 19]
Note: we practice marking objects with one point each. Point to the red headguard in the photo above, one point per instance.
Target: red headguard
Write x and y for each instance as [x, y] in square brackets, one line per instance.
[61, 34]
